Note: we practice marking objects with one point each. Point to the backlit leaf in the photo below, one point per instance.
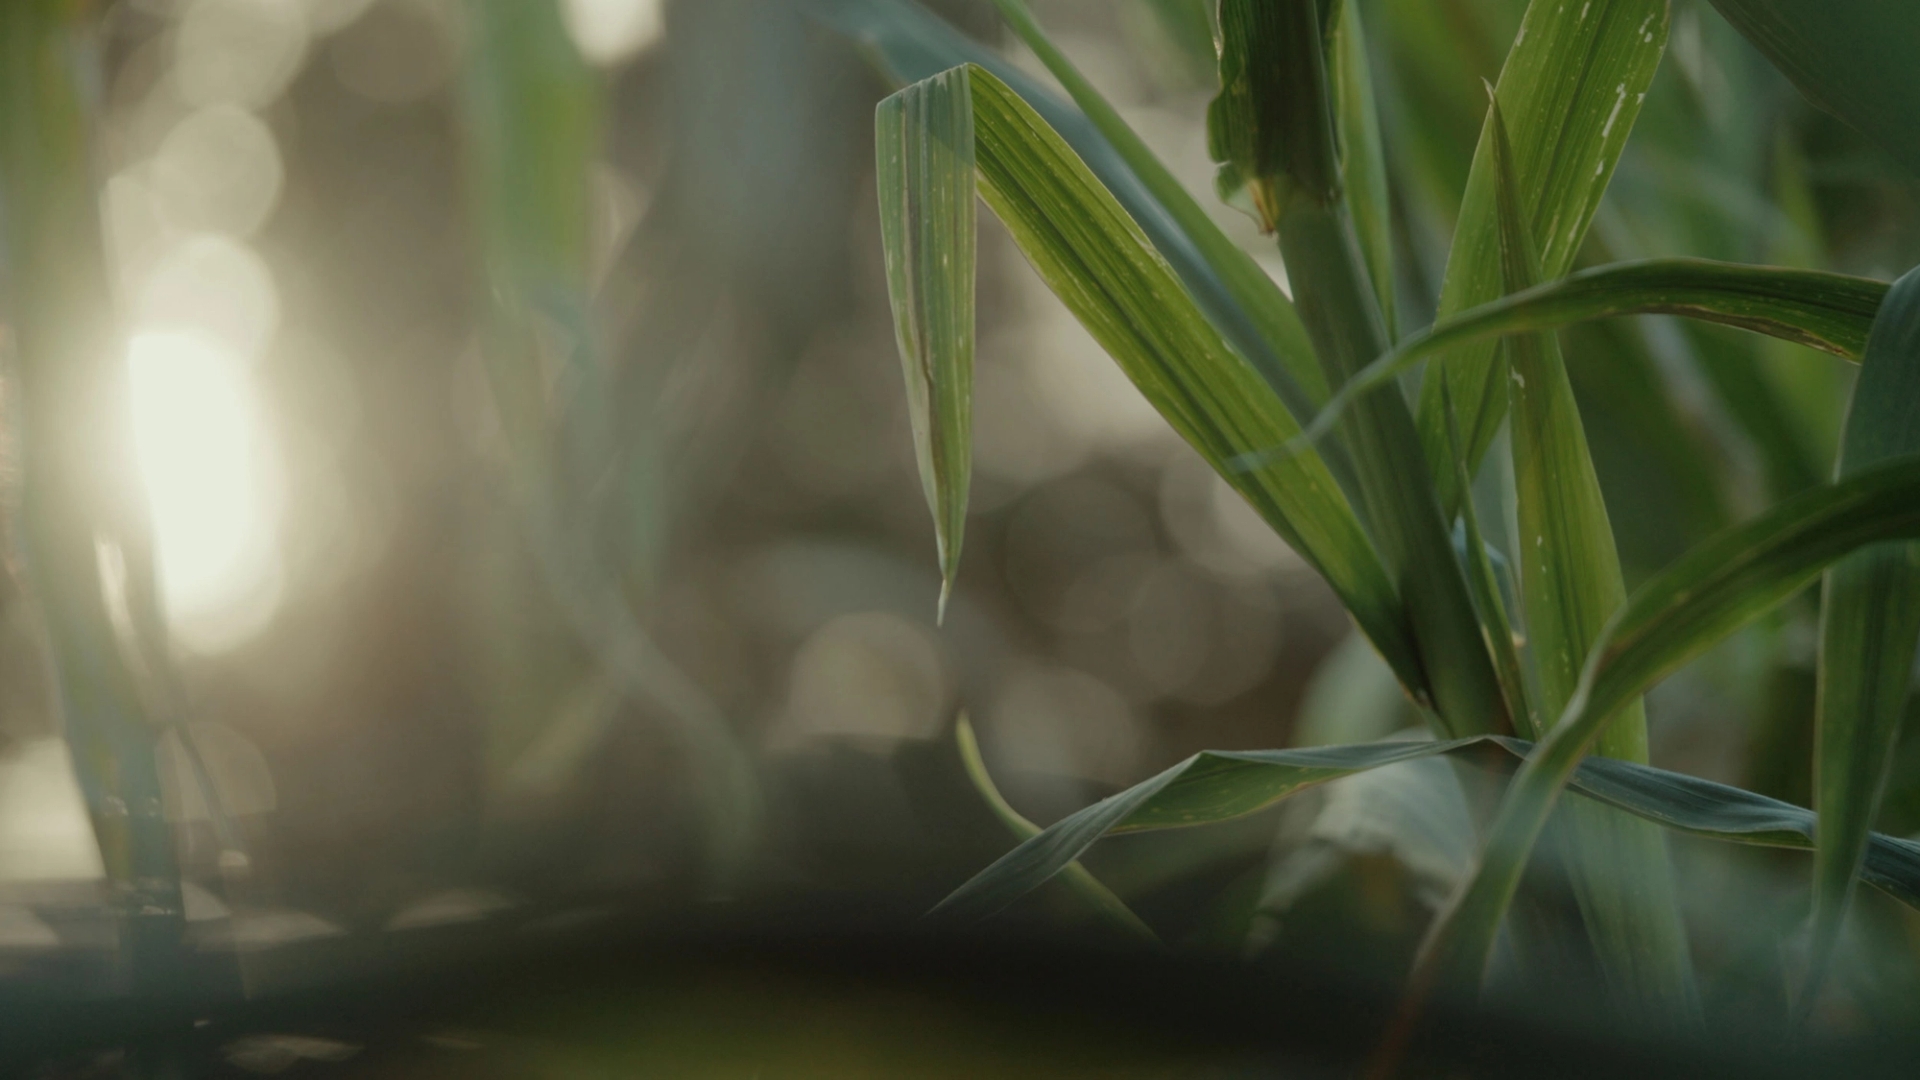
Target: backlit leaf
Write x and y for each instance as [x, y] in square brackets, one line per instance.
[1093, 256]
[924, 149]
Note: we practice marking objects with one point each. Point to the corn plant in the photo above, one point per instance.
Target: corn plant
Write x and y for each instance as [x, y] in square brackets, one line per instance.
[1299, 403]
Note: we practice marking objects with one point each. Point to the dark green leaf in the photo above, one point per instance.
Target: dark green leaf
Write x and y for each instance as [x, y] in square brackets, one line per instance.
[1271, 130]
[1222, 785]
[1853, 58]
[1715, 589]
[1869, 626]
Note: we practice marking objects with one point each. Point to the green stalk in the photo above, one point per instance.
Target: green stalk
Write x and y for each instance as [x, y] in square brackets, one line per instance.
[1272, 128]
[78, 491]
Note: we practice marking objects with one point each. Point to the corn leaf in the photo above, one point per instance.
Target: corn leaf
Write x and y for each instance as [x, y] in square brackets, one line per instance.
[1570, 584]
[1254, 294]
[924, 147]
[1093, 256]
[1216, 786]
[1869, 628]
[1078, 878]
[1363, 159]
[1237, 296]
[1489, 600]
[1718, 587]
[1853, 59]
[1829, 312]
[1571, 88]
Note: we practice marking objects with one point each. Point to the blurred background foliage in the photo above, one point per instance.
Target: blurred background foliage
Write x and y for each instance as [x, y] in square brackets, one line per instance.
[515, 391]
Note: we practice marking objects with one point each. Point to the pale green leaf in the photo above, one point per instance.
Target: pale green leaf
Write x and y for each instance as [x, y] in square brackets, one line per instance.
[1570, 585]
[1235, 293]
[1093, 256]
[1078, 878]
[923, 139]
[1571, 88]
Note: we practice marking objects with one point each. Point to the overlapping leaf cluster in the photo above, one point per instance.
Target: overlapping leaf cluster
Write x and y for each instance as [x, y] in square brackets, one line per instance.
[1367, 486]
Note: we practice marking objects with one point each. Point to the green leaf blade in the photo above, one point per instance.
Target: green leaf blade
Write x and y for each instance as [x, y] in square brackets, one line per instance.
[1571, 584]
[1091, 890]
[911, 43]
[1217, 786]
[1829, 312]
[1571, 89]
[1363, 159]
[925, 156]
[1869, 629]
[1716, 588]
[1093, 256]
[1253, 293]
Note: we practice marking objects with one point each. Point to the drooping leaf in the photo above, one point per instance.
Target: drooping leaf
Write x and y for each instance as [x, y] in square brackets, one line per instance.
[1093, 256]
[1715, 589]
[1229, 286]
[1830, 312]
[1571, 87]
[1869, 628]
[1077, 877]
[1237, 296]
[1219, 786]
[1271, 133]
[1853, 58]
[924, 146]
[1571, 584]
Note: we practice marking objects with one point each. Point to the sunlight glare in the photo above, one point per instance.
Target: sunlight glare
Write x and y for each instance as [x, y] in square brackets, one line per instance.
[210, 483]
[609, 31]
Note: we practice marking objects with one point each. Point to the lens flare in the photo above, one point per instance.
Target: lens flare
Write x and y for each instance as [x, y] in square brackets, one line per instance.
[211, 485]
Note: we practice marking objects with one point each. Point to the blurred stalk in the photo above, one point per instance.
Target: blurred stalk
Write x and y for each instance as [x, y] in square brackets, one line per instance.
[533, 115]
[79, 505]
